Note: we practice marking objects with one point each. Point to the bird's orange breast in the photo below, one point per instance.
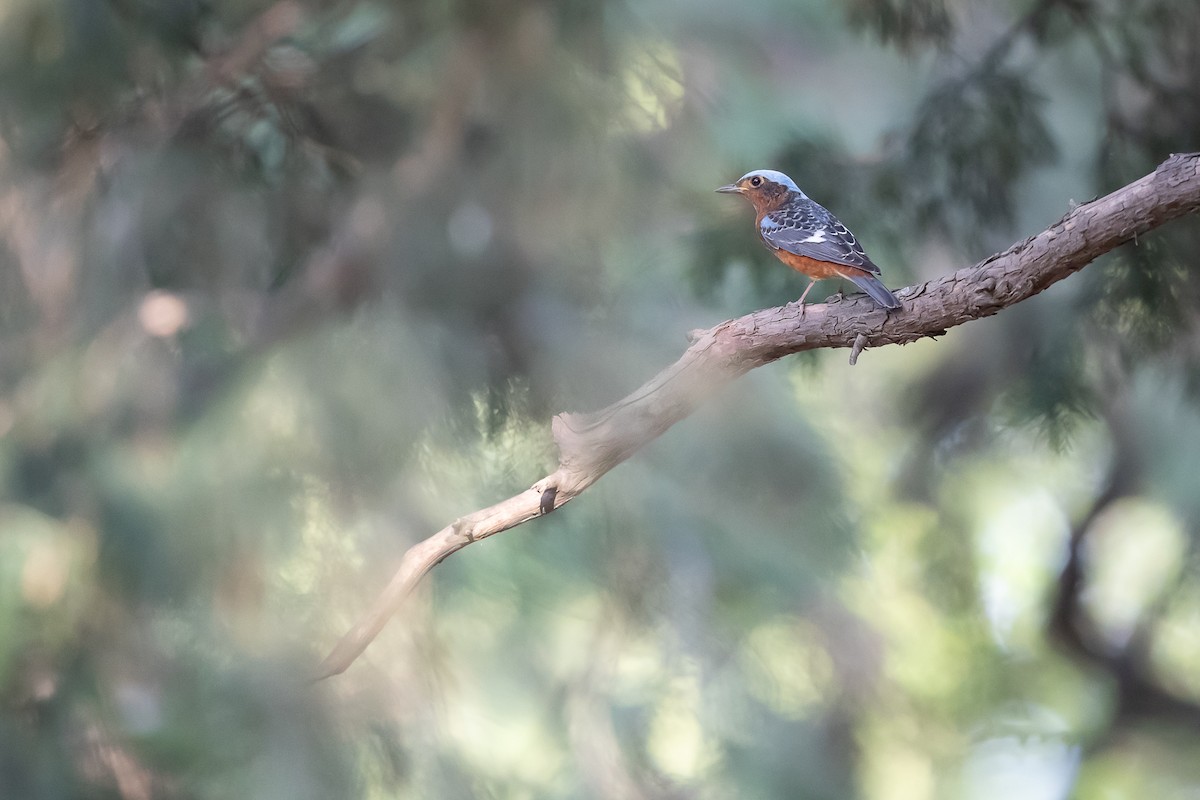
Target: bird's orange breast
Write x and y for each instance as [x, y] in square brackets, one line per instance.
[815, 269]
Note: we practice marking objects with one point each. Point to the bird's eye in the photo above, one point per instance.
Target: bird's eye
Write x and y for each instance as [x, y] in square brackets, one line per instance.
[756, 181]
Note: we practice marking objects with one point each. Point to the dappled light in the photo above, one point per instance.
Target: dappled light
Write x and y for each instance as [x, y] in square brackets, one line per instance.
[288, 288]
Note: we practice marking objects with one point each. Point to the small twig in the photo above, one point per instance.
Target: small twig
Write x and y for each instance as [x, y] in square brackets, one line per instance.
[860, 342]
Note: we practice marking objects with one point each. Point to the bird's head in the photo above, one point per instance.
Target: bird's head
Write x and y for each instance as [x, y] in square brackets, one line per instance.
[765, 188]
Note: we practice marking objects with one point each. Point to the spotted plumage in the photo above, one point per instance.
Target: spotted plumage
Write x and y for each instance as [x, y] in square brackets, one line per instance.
[808, 229]
[804, 235]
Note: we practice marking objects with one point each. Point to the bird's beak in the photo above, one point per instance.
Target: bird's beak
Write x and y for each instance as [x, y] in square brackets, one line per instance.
[731, 188]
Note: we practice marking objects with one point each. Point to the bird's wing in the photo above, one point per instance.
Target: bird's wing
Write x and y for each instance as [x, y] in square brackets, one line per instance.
[808, 229]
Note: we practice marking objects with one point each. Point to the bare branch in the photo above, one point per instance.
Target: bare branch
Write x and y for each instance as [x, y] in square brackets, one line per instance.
[591, 444]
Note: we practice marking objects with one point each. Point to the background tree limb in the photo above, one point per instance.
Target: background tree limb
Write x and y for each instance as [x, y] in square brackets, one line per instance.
[591, 444]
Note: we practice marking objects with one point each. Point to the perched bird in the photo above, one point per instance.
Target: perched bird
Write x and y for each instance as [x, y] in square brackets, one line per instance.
[805, 236]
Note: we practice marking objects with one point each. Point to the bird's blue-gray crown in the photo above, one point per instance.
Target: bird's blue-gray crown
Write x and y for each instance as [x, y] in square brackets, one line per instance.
[775, 176]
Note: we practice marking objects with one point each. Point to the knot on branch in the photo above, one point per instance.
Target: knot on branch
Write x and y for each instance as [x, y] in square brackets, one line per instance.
[984, 293]
[546, 503]
[461, 529]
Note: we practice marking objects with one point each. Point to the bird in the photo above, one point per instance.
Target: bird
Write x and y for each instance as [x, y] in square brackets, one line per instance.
[804, 235]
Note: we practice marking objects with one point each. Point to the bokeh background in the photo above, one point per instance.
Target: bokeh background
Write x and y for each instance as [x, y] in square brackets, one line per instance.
[285, 287]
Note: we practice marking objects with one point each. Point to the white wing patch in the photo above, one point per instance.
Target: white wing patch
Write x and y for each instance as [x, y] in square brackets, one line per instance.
[816, 238]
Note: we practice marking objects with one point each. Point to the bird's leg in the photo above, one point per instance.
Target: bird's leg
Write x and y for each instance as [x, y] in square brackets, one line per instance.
[800, 302]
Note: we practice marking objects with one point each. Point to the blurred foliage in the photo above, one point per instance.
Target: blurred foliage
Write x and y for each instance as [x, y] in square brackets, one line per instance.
[287, 286]
[909, 24]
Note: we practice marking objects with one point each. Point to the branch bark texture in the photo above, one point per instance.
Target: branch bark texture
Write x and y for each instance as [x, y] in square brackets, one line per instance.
[591, 444]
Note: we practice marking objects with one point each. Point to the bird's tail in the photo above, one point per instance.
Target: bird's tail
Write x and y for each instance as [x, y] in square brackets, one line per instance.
[875, 288]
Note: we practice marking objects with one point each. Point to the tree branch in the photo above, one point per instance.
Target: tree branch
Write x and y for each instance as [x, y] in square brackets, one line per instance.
[1139, 693]
[591, 444]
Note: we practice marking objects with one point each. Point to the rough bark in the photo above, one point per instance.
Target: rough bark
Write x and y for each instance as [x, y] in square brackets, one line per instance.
[592, 444]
